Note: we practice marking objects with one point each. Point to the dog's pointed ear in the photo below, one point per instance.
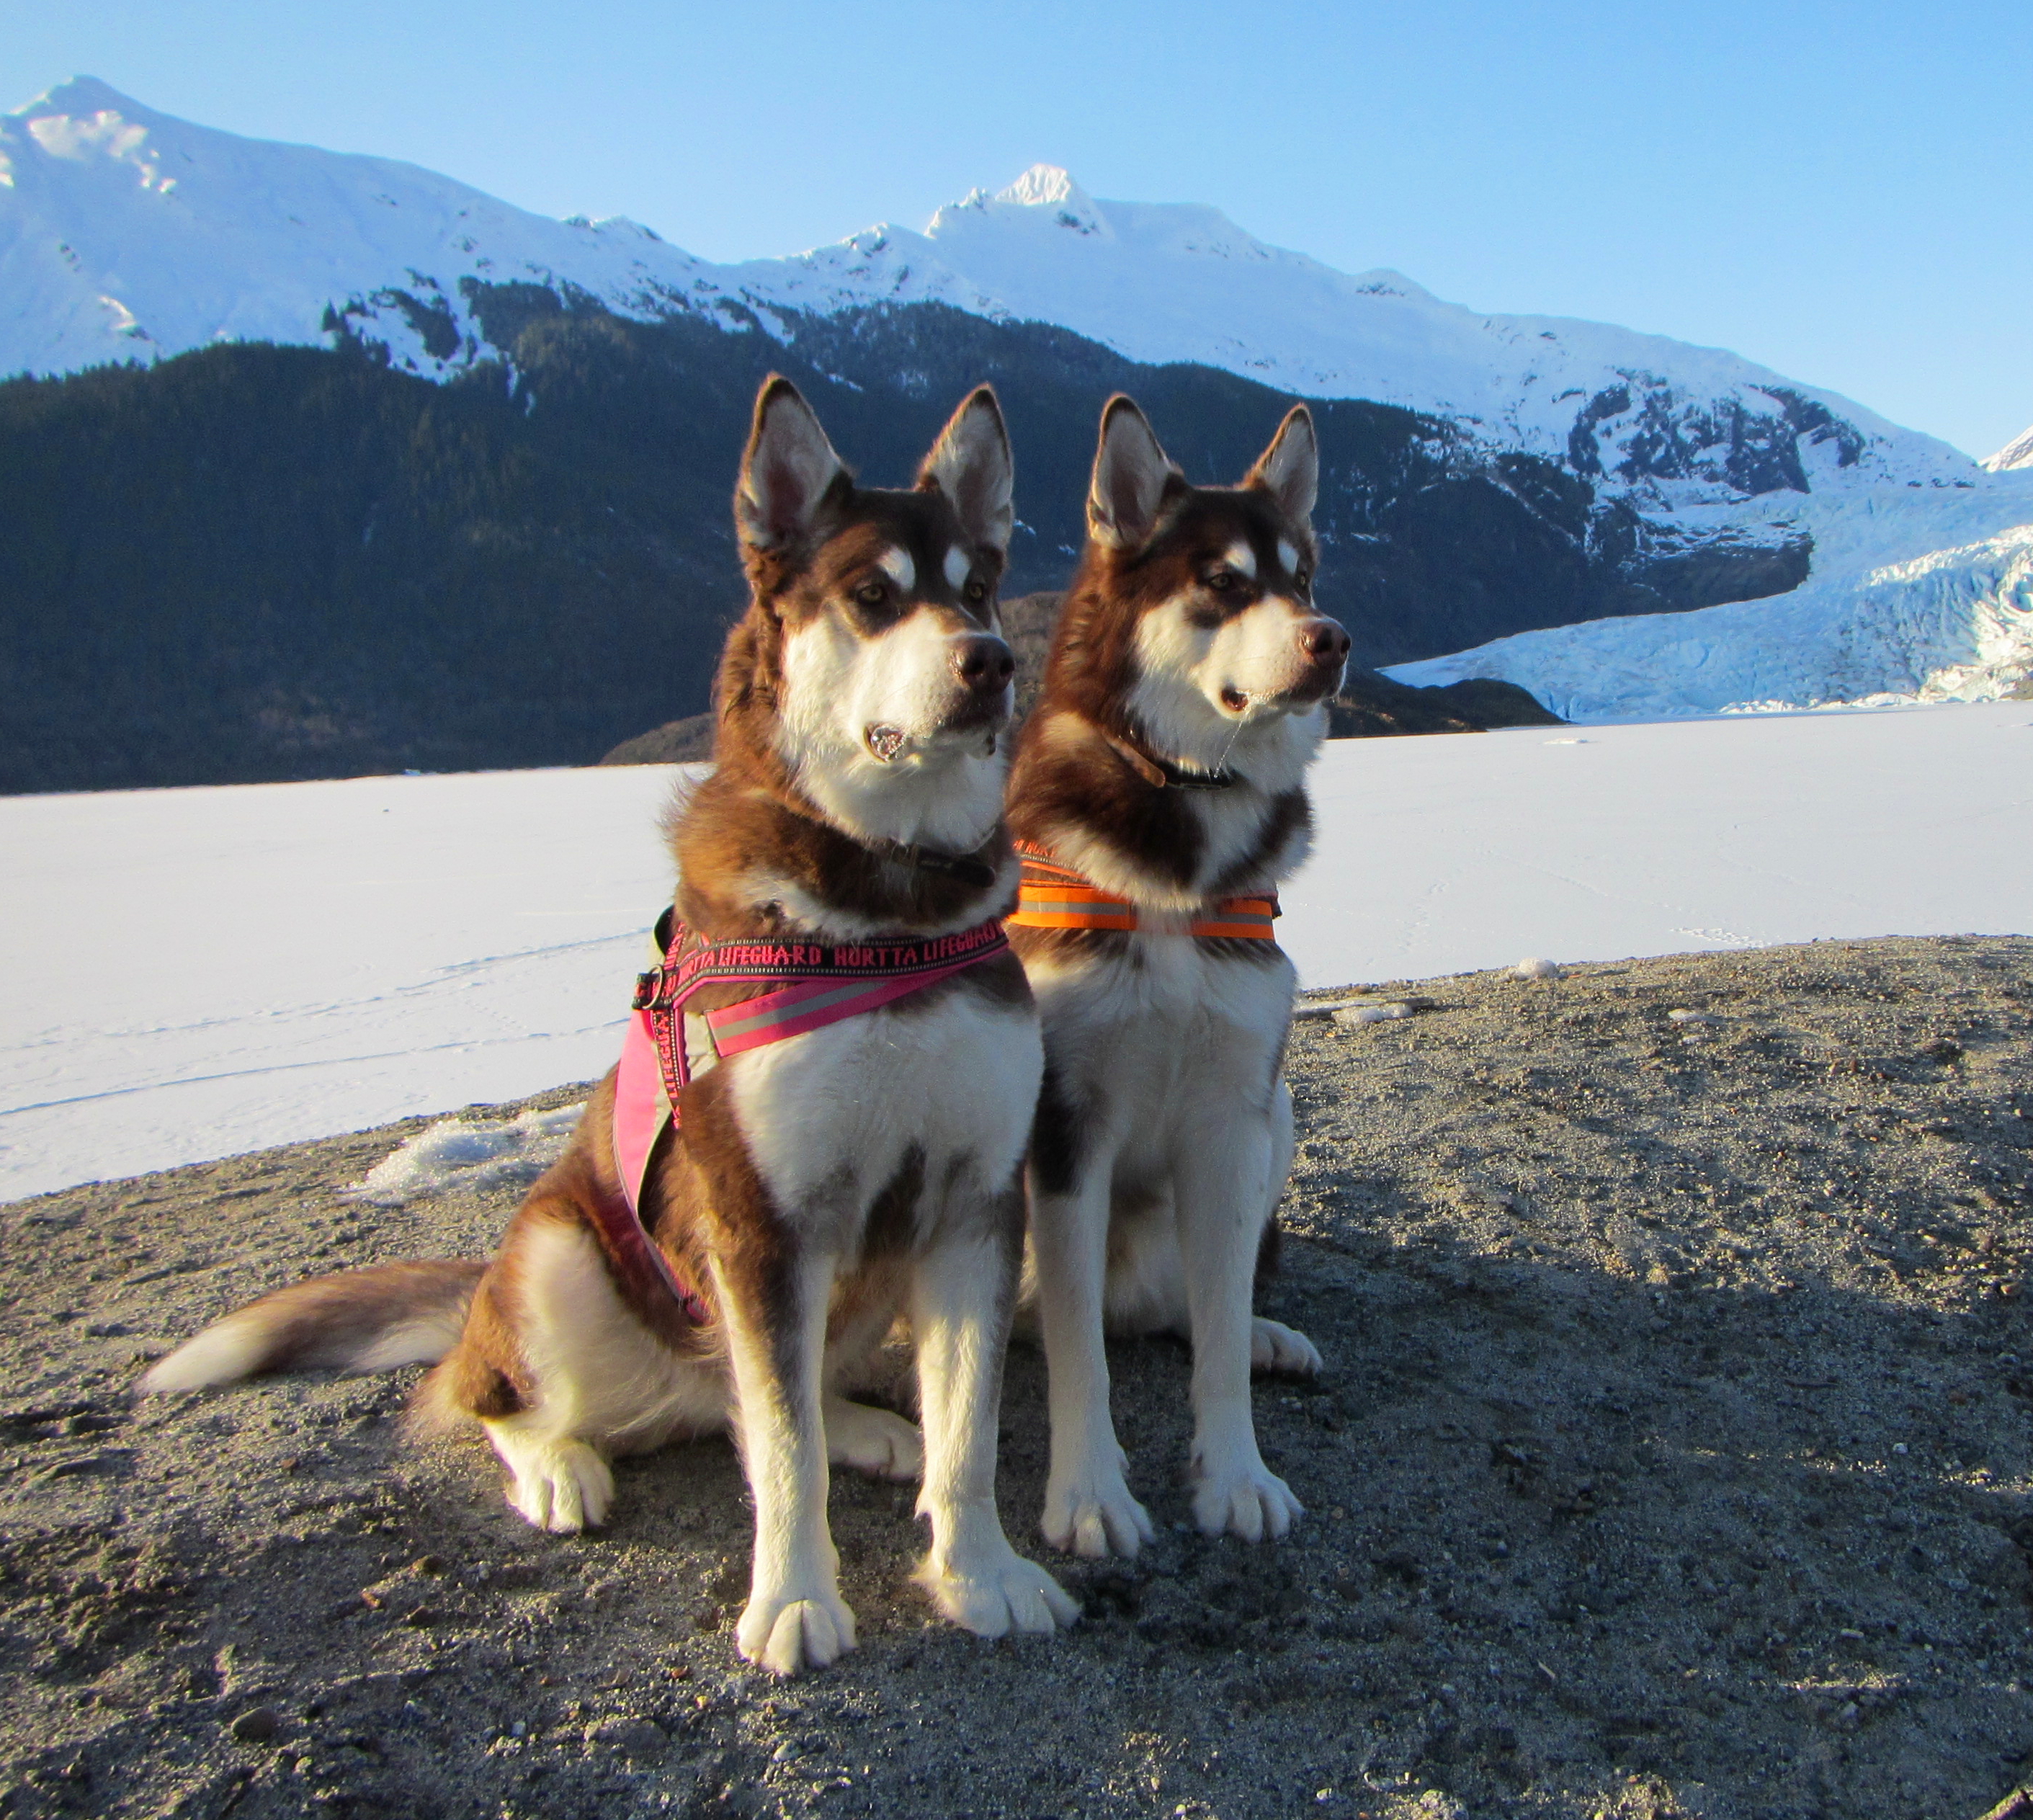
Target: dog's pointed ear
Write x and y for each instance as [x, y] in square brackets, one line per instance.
[971, 464]
[1289, 468]
[788, 472]
[1132, 476]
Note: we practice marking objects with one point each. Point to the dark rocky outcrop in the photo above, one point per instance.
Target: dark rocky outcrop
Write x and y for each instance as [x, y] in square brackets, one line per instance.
[1027, 623]
[1370, 705]
[1656, 435]
[681, 742]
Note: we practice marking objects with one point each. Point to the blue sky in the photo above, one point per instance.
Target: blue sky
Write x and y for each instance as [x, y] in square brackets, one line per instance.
[1840, 191]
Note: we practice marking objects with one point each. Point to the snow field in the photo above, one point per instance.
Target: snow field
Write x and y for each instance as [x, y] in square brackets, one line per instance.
[1451, 854]
[197, 973]
[474, 1152]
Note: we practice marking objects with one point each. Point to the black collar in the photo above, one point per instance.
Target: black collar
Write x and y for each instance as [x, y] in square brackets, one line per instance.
[966, 867]
[1167, 773]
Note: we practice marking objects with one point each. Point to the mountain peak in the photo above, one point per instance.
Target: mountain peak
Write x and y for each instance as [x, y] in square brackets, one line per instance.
[1045, 193]
[86, 121]
[2018, 453]
[80, 95]
[1041, 185]
[126, 233]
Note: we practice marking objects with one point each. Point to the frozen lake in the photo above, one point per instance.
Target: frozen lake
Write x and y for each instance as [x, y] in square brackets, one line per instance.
[195, 973]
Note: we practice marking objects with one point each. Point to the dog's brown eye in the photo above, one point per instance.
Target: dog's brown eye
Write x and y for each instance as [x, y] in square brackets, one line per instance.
[872, 593]
[1303, 580]
[1222, 580]
[974, 593]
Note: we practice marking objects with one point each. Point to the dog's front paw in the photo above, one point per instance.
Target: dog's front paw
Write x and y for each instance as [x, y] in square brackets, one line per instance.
[788, 1634]
[1275, 1347]
[1093, 1514]
[1251, 1502]
[563, 1486]
[995, 1591]
[873, 1441]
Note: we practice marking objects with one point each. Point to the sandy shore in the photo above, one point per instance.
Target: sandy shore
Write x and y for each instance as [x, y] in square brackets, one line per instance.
[1674, 1457]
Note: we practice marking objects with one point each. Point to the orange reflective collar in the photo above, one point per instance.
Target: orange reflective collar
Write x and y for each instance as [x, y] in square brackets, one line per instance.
[1055, 896]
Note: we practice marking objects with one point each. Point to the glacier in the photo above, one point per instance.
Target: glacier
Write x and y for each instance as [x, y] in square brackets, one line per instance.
[1909, 599]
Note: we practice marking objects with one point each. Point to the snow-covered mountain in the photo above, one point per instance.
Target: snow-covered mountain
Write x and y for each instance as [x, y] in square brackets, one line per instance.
[127, 234]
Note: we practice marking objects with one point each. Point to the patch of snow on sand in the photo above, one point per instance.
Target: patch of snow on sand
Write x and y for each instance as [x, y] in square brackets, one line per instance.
[196, 973]
[469, 1153]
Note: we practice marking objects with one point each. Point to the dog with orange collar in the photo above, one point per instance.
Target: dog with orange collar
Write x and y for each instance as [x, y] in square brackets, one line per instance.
[1158, 798]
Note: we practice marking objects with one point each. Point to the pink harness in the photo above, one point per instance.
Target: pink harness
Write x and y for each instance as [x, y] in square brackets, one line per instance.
[817, 985]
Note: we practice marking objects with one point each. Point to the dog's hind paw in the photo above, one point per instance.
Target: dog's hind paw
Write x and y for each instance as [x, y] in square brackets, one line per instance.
[997, 1592]
[563, 1486]
[873, 1441]
[1095, 1517]
[1275, 1347]
[1251, 1502]
[788, 1635]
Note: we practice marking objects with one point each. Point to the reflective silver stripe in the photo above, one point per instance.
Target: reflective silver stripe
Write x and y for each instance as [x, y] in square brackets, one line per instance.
[701, 1057]
[804, 1008]
[1073, 907]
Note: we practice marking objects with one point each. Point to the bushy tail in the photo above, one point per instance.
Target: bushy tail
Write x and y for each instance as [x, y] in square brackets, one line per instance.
[359, 1321]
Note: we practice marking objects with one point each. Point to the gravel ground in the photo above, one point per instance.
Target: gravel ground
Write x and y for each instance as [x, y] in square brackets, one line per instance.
[1674, 1456]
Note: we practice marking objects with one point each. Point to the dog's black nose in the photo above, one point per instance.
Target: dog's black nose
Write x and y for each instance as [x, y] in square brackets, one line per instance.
[1324, 640]
[982, 662]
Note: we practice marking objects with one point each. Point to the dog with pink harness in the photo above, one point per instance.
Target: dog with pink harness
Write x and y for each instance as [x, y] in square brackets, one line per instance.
[817, 1124]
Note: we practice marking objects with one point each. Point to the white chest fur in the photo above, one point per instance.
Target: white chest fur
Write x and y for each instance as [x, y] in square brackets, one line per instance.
[1232, 824]
[1160, 1031]
[831, 1116]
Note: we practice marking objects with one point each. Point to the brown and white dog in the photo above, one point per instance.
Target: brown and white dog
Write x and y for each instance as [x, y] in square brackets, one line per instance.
[1163, 773]
[819, 1187]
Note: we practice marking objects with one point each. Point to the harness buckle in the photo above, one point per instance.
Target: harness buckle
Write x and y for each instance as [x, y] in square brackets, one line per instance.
[648, 987]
